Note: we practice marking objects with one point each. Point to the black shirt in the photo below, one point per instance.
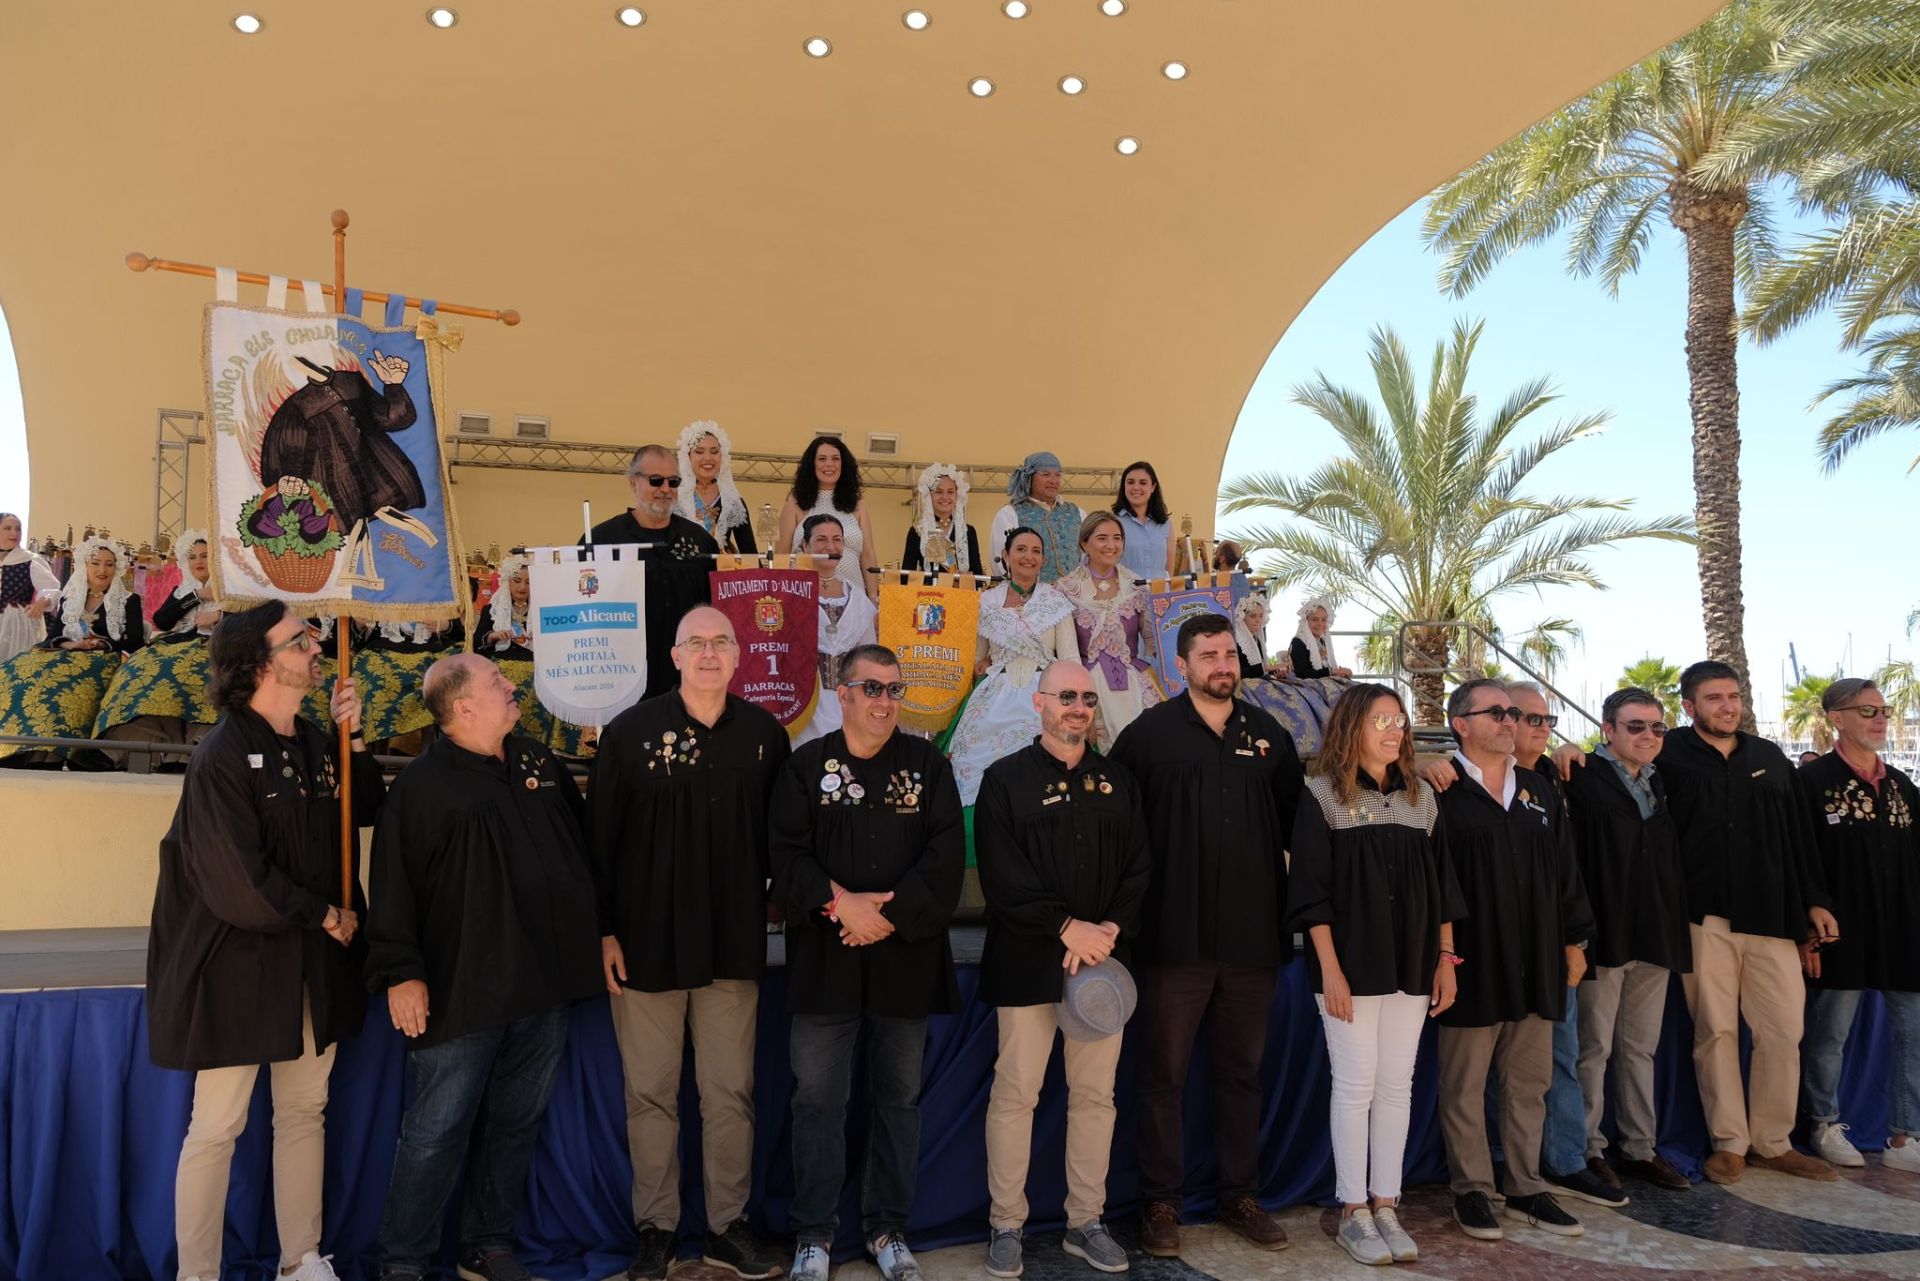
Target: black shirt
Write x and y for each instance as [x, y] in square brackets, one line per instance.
[914, 558]
[1303, 661]
[1375, 870]
[888, 823]
[1219, 812]
[133, 626]
[1054, 843]
[1525, 904]
[680, 840]
[1745, 840]
[1631, 868]
[677, 569]
[1870, 859]
[480, 888]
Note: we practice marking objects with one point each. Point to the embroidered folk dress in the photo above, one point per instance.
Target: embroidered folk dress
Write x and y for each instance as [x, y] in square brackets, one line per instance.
[999, 718]
[1113, 648]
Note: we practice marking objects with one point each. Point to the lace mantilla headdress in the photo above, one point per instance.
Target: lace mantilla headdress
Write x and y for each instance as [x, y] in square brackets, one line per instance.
[75, 622]
[733, 508]
[932, 475]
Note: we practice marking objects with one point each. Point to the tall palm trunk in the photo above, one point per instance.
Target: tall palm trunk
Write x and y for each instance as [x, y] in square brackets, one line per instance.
[1428, 674]
[1708, 220]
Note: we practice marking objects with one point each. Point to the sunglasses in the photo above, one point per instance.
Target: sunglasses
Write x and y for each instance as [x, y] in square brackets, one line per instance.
[305, 641]
[895, 690]
[1395, 720]
[1500, 714]
[1657, 728]
[1866, 711]
[671, 482]
[1067, 697]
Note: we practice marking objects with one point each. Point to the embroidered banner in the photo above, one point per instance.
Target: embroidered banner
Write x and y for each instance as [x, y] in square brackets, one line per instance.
[1173, 604]
[776, 618]
[588, 615]
[328, 488]
[933, 630]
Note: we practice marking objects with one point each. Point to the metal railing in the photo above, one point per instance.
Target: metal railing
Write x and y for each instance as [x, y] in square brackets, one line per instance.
[1403, 652]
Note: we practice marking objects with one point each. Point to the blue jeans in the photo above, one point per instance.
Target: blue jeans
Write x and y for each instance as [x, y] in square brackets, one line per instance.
[511, 1070]
[1829, 1019]
[822, 1052]
[1563, 1138]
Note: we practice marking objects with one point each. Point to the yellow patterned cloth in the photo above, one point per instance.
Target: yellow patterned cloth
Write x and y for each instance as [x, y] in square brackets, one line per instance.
[933, 630]
[53, 693]
[160, 680]
[536, 722]
[390, 683]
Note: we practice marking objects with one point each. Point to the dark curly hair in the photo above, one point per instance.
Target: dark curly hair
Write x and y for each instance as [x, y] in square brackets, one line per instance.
[238, 653]
[806, 485]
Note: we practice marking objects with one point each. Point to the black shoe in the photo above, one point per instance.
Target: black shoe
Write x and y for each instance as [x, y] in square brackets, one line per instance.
[1474, 1213]
[1543, 1212]
[653, 1256]
[491, 1265]
[739, 1250]
[1589, 1187]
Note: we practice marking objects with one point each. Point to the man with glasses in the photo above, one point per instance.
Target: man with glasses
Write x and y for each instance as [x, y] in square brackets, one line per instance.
[1630, 861]
[868, 854]
[1523, 938]
[678, 554]
[680, 792]
[1064, 866]
[1863, 825]
[1219, 780]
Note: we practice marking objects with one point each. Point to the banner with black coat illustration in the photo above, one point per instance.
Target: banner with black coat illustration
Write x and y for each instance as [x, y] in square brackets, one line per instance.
[588, 615]
[1172, 603]
[775, 617]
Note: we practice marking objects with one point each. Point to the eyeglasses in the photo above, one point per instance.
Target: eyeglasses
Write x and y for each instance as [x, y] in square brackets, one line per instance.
[1866, 711]
[1395, 720]
[701, 645]
[1067, 697]
[1657, 728]
[1537, 719]
[895, 690]
[671, 482]
[304, 641]
[1499, 714]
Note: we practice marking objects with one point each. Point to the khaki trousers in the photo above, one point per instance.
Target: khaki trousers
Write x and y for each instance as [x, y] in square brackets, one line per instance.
[651, 1030]
[1027, 1033]
[220, 1100]
[1751, 977]
[1621, 1011]
[1522, 1052]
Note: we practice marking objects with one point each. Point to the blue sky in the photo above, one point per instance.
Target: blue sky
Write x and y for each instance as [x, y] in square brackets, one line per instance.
[1826, 554]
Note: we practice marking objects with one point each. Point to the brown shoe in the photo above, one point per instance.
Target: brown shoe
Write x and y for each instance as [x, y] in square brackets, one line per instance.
[1798, 1164]
[1160, 1229]
[1659, 1172]
[1245, 1216]
[1725, 1167]
[1602, 1171]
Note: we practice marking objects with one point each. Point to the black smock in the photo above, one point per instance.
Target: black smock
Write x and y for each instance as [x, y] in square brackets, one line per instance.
[481, 889]
[901, 832]
[680, 840]
[247, 872]
[133, 626]
[1376, 871]
[1054, 843]
[677, 569]
[1525, 904]
[1870, 862]
[1745, 841]
[1631, 868]
[1219, 813]
[914, 558]
[1302, 661]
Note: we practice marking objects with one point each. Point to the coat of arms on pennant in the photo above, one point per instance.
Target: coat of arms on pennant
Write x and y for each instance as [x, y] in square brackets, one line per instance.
[589, 583]
[769, 615]
[929, 617]
[933, 630]
[328, 485]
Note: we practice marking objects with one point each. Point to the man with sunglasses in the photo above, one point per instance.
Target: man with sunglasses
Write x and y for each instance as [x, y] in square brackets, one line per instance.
[677, 552]
[868, 853]
[1630, 860]
[1063, 860]
[1863, 813]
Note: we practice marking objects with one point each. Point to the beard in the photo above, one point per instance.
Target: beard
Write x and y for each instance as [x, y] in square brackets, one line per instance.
[1219, 685]
[1071, 735]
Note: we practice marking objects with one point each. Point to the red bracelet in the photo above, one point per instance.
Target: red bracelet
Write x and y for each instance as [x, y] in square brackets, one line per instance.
[833, 906]
[1452, 958]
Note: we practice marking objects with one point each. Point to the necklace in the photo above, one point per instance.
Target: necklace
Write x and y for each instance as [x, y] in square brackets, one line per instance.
[1023, 592]
[1110, 576]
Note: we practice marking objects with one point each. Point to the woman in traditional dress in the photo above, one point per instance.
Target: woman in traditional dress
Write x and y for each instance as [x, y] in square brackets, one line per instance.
[189, 612]
[710, 499]
[55, 689]
[508, 634]
[1312, 650]
[827, 483]
[934, 542]
[159, 695]
[28, 589]
[1152, 550]
[847, 619]
[96, 610]
[1250, 633]
[1109, 619]
[1024, 625]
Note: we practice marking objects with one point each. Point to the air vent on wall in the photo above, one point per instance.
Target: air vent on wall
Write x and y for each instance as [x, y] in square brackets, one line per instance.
[526, 427]
[476, 424]
[882, 444]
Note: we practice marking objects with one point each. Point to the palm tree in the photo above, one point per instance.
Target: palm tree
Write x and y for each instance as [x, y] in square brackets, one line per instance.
[1545, 645]
[1605, 169]
[1659, 678]
[1802, 716]
[1900, 685]
[1424, 518]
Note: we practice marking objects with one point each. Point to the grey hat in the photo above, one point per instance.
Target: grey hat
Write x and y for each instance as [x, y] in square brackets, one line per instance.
[1097, 1002]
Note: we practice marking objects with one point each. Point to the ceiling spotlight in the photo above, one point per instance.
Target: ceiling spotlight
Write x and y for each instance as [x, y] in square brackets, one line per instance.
[1113, 8]
[1127, 146]
[819, 47]
[1174, 71]
[630, 16]
[442, 18]
[1072, 84]
[1014, 8]
[246, 24]
[916, 19]
[980, 87]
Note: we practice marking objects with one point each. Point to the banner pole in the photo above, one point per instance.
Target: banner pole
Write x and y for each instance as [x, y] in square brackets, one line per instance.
[343, 623]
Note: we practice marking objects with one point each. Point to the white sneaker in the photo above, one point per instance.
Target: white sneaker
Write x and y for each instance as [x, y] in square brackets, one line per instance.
[1905, 1157]
[1830, 1141]
[1387, 1223]
[810, 1263]
[313, 1267]
[895, 1261]
[1359, 1238]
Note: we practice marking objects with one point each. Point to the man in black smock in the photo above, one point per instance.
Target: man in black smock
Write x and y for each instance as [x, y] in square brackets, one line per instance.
[482, 932]
[681, 786]
[250, 958]
[678, 560]
[1219, 779]
[868, 856]
[1064, 866]
[1523, 943]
